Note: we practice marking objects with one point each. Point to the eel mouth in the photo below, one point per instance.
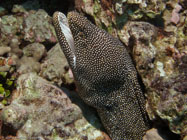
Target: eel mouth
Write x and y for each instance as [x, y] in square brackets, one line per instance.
[64, 29]
[64, 26]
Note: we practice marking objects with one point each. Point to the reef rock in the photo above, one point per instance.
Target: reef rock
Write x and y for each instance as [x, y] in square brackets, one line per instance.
[4, 50]
[55, 67]
[153, 134]
[38, 27]
[112, 15]
[160, 59]
[19, 31]
[35, 50]
[27, 64]
[31, 26]
[43, 111]
[10, 26]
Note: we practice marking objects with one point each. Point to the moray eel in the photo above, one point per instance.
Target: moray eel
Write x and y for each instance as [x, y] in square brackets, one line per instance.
[105, 75]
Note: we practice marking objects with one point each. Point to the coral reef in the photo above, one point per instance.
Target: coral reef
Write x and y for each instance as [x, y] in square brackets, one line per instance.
[24, 67]
[38, 27]
[112, 15]
[35, 50]
[31, 26]
[43, 111]
[55, 67]
[32, 53]
[161, 62]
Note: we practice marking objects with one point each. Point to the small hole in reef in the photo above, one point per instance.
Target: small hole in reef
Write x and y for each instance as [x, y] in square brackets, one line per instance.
[158, 21]
[8, 131]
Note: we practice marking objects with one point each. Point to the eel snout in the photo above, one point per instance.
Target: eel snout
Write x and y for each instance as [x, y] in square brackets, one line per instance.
[65, 36]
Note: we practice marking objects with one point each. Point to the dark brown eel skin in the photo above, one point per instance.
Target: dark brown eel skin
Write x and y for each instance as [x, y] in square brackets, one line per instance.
[105, 75]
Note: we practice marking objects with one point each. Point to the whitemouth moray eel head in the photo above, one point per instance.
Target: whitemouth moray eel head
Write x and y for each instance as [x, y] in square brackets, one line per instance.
[104, 74]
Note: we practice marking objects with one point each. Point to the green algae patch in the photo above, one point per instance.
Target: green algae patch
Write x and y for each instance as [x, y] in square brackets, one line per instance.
[6, 86]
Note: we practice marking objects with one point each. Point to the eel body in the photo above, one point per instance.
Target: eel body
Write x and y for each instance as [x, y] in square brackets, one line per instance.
[105, 75]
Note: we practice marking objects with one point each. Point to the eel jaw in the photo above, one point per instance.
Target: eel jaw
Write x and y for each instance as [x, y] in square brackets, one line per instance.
[65, 30]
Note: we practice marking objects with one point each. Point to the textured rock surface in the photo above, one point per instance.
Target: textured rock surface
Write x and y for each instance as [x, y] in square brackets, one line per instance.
[22, 28]
[27, 64]
[10, 26]
[35, 50]
[161, 62]
[161, 133]
[4, 50]
[30, 25]
[112, 15]
[153, 134]
[55, 67]
[38, 27]
[32, 53]
[43, 111]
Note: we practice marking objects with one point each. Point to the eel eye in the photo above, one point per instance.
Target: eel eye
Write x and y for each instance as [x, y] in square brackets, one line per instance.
[81, 34]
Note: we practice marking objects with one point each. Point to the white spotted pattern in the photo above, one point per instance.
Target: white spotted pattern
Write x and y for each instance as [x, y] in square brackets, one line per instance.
[106, 78]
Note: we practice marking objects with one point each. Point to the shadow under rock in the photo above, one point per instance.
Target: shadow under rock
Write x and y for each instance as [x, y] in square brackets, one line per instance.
[7, 130]
[164, 131]
[48, 5]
